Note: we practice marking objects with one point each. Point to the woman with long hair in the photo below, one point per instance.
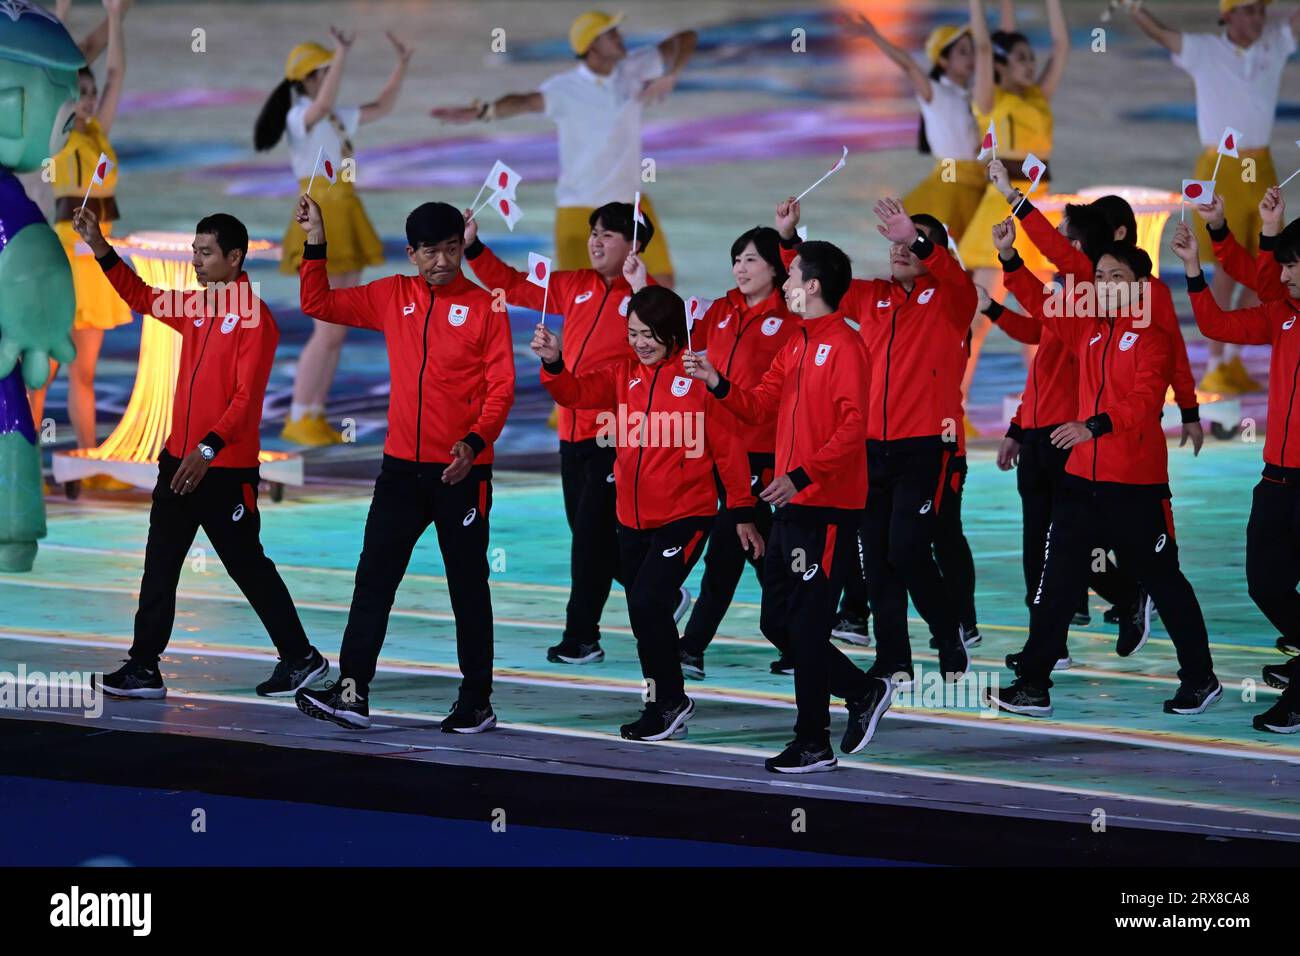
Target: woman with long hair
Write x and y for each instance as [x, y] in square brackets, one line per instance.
[303, 108]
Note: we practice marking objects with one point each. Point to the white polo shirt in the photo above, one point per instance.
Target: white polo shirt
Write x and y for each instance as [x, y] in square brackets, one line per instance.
[1236, 87]
[305, 144]
[599, 123]
[949, 122]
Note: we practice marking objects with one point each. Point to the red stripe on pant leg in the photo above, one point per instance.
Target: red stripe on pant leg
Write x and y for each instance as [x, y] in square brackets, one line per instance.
[828, 550]
[956, 482]
[250, 498]
[690, 547]
[943, 472]
[1169, 517]
[482, 498]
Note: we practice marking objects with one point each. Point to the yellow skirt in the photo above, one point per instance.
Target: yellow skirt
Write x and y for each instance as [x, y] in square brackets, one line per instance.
[98, 306]
[572, 230]
[353, 242]
[951, 198]
[976, 247]
[1240, 196]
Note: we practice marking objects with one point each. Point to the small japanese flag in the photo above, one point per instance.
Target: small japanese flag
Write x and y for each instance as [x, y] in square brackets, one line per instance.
[503, 180]
[802, 233]
[1229, 143]
[1033, 168]
[101, 169]
[989, 145]
[327, 166]
[839, 163]
[694, 309]
[508, 208]
[636, 209]
[539, 270]
[1198, 191]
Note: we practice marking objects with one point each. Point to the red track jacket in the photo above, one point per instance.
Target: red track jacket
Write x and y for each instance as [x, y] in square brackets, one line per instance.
[227, 348]
[449, 354]
[1051, 395]
[1261, 274]
[666, 436]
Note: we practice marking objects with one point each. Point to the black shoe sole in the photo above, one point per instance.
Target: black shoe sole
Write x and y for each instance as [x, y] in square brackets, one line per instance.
[1287, 648]
[820, 767]
[878, 713]
[595, 658]
[1192, 712]
[314, 710]
[310, 679]
[674, 730]
[482, 728]
[136, 693]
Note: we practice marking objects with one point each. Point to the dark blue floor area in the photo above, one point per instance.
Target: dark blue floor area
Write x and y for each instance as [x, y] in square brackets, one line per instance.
[58, 823]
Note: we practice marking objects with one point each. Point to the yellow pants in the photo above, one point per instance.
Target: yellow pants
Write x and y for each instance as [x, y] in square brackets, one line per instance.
[1240, 197]
[950, 193]
[572, 230]
[98, 305]
[976, 247]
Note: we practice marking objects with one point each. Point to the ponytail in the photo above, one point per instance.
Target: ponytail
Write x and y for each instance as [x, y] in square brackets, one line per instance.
[269, 128]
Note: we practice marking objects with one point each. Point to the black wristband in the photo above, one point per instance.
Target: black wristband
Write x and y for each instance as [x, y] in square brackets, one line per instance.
[723, 387]
[1267, 243]
[312, 250]
[792, 242]
[1192, 415]
[1016, 431]
[1219, 234]
[1196, 283]
[922, 247]
[213, 441]
[1100, 425]
[108, 259]
[1026, 207]
[474, 249]
[476, 442]
[1012, 264]
[994, 310]
[556, 367]
[799, 478]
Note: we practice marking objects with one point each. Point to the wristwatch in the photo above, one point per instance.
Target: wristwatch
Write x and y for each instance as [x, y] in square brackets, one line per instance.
[207, 451]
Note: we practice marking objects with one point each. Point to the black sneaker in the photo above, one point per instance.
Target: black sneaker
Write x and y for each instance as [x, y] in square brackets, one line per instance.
[567, 652]
[1288, 645]
[1277, 675]
[954, 661]
[134, 680]
[1194, 700]
[1082, 617]
[782, 665]
[289, 677]
[683, 604]
[1135, 627]
[332, 703]
[1021, 698]
[1113, 614]
[852, 630]
[659, 722]
[1013, 663]
[468, 719]
[970, 637]
[865, 713]
[803, 757]
[902, 678]
[1282, 718]
[692, 664]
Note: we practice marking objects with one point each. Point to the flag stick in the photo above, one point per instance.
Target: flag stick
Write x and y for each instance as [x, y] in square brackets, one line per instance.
[1182, 209]
[1024, 196]
[86, 199]
[825, 177]
[546, 290]
[1215, 175]
[1288, 179]
[481, 205]
[319, 153]
[636, 221]
[478, 195]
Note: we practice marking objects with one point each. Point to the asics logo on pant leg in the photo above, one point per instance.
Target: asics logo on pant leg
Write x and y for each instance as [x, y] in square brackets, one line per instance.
[811, 572]
[239, 513]
[925, 508]
[469, 517]
[1161, 542]
[669, 552]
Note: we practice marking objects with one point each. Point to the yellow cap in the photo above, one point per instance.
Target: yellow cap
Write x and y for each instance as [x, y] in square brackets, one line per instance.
[585, 29]
[1227, 6]
[942, 37]
[304, 59]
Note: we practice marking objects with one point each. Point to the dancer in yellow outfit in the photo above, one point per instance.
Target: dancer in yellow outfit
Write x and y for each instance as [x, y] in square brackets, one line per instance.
[1011, 92]
[98, 306]
[303, 106]
[954, 188]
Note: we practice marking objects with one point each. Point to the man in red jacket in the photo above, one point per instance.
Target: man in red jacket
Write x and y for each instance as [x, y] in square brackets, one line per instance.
[453, 372]
[816, 389]
[1116, 487]
[1272, 554]
[208, 468]
[594, 305]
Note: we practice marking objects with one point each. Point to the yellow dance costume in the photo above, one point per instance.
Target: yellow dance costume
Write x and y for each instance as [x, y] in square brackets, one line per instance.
[98, 306]
[951, 197]
[1023, 124]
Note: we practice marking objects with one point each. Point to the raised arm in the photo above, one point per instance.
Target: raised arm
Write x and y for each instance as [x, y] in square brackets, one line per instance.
[328, 93]
[388, 95]
[512, 104]
[757, 405]
[359, 306]
[1167, 37]
[594, 389]
[920, 80]
[1055, 68]
[982, 90]
[111, 94]
[677, 51]
[1007, 16]
[495, 274]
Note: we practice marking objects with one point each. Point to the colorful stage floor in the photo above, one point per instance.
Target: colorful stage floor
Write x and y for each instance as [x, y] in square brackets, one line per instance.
[1108, 746]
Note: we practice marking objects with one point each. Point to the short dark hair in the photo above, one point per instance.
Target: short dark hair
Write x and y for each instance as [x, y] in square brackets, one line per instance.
[767, 242]
[1131, 255]
[1115, 212]
[1286, 249]
[617, 217]
[933, 227]
[664, 312]
[829, 265]
[230, 232]
[1085, 225]
[433, 222]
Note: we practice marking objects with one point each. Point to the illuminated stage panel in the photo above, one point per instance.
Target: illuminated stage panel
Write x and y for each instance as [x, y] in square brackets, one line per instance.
[130, 453]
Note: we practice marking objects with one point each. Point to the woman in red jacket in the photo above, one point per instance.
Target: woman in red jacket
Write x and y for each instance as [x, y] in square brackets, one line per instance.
[667, 437]
[742, 331]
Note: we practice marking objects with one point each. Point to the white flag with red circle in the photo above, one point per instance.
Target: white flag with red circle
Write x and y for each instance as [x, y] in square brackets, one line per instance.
[1199, 191]
[539, 270]
[1033, 168]
[503, 180]
[101, 169]
[1229, 142]
[989, 144]
[507, 208]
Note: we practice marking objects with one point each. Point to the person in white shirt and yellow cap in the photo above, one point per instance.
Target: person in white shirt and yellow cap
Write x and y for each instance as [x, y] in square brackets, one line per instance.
[955, 186]
[1237, 73]
[597, 109]
[303, 107]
